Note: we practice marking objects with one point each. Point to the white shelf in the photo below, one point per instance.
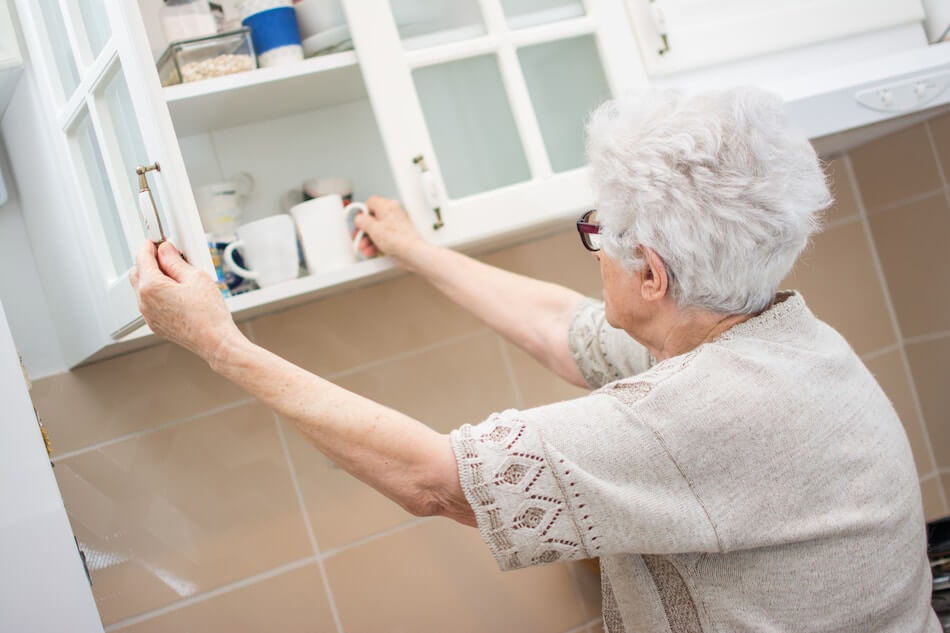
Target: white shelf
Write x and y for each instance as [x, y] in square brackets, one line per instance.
[265, 93]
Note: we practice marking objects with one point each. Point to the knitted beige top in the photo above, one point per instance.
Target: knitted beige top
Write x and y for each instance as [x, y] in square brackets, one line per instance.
[761, 482]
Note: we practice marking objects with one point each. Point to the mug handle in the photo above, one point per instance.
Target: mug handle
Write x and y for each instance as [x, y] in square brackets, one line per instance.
[228, 256]
[359, 234]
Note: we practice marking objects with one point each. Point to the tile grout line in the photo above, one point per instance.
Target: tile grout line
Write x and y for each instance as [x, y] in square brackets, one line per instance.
[926, 338]
[891, 311]
[244, 401]
[330, 553]
[307, 523]
[880, 352]
[936, 154]
[509, 368]
[211, 593]
[154, 429]
[846, 220]
[349, 371]
[917, 197]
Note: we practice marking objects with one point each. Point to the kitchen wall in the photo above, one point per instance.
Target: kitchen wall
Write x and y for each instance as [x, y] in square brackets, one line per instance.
[200, 510]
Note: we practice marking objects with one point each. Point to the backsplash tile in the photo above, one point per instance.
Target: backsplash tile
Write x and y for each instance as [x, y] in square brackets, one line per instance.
[913, 241]
[126, 394]
[536, 384]
[889, 372]
[440, 576]
[558, 258]
[445, 387]
[361, 326]
[935, 505]
[895, 167]
[844, 206]
[183, 510]
[930, 367]
[836, 276]
[293, 601]
[940, 131]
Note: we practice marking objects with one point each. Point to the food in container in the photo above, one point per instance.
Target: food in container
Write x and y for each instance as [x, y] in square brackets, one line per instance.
[205, 57]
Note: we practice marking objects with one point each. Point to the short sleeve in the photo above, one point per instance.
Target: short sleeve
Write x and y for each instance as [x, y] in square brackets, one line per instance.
[603, 353]
[576, 479]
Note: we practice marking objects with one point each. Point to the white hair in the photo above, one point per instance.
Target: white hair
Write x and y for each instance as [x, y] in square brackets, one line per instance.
[717, 184]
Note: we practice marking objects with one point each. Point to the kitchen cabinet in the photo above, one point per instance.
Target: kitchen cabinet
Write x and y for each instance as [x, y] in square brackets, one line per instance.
[678, 35]
[492, 94]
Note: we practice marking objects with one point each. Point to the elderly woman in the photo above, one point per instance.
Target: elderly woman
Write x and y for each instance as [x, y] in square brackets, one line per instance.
[736, 467]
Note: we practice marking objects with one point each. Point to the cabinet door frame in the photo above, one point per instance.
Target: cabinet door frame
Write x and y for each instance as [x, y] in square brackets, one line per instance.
[112, 299]
[547, 196]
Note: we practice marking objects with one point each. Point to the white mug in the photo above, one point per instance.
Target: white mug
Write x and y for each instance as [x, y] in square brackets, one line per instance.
[269, 247]
[323, 225]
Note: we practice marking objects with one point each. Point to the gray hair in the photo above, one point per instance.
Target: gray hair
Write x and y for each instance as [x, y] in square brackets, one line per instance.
[717, 184]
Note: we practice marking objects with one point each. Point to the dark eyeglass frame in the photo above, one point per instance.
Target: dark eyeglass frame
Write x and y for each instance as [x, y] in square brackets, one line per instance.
[586, 229]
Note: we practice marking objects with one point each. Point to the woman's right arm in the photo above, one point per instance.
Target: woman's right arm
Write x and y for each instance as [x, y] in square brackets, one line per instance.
[534, 315]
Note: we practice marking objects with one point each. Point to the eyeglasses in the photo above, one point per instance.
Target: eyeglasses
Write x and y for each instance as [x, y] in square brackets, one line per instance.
[589, 230]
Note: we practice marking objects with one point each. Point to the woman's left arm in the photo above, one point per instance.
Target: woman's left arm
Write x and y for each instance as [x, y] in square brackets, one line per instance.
[400, 457]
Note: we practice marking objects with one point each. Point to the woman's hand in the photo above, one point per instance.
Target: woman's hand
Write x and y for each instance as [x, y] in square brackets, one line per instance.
[390, 230]
[181, 303]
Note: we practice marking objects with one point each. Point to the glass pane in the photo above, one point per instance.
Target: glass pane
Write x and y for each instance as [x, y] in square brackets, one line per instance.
[59, 46]
[90, 161]
[129, 137]
[522, 13]
[96, 22]
[566, 81]
[472, 128]
[423, 23]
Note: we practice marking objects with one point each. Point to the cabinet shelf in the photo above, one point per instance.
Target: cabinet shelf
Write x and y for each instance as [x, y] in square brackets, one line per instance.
[265, 93]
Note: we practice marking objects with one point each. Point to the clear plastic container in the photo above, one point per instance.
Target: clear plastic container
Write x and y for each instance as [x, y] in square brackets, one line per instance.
[187, 19]
[206, 57]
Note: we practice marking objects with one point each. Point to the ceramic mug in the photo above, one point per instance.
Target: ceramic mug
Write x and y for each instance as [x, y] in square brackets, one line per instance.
[324, 226]
[269, 248]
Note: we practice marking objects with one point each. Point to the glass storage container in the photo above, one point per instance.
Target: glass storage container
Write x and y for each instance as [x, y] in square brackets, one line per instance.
[206, 57]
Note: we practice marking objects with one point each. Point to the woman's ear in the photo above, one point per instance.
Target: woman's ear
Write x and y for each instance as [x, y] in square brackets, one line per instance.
[654, 278]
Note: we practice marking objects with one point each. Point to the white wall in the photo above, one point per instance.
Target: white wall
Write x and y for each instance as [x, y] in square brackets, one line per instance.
[20, 288]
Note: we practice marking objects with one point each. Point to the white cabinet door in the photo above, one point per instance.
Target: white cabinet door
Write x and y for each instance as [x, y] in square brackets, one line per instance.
[493, 94]
[100, 95]
[677, 35]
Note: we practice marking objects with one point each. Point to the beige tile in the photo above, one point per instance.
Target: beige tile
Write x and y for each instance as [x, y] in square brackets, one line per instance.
[364, 325]
[890, 374]
[940, 130]
[914, 243]
[537, 384]
[128, 393]
[587, 576]
[183, 510]
[558, 258]
[292, 602]
[930, 367]
[443, 387]
[935, 505]
[895, 167]
[845, 205]
[837, 278]
[440, 576]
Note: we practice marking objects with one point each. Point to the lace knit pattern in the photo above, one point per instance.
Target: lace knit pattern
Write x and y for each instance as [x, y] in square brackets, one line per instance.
[520, 505]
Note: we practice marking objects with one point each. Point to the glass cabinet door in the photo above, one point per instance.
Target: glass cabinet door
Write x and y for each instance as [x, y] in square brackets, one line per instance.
[494, 98]
[105, 126]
